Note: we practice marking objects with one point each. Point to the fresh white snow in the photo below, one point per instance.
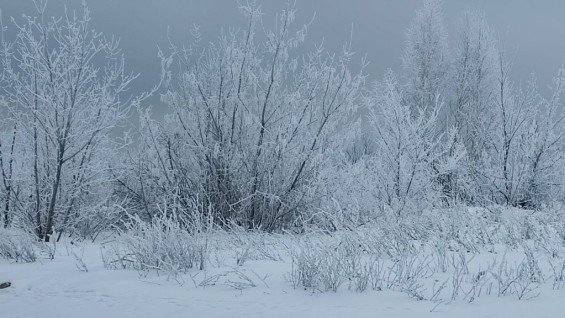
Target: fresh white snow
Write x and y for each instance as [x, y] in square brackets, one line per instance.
[59, 288]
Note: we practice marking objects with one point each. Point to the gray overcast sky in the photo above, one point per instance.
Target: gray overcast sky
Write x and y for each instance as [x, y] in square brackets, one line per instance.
[532, 31]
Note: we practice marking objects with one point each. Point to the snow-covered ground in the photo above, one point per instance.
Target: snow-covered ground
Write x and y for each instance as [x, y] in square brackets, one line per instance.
[77, 284]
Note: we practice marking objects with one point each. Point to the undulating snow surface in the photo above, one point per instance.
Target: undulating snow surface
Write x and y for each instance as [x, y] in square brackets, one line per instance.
[62, 288]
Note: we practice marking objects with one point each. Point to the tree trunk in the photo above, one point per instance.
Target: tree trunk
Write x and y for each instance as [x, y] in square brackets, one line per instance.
[53, 200]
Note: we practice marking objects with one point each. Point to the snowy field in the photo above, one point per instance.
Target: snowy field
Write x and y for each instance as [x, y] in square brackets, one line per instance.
[264, 175]
[311, 275]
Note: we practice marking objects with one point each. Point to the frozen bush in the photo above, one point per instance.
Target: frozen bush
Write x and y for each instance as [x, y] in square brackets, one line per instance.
[325, 266]
[558, 269]
[162, 245]
[522, 279]
[305, 268]
[406, 274]
[17, 245]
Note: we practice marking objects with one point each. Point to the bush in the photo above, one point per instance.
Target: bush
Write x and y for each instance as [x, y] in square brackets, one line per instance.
[165, 244]
[17, 245]
[325, 266]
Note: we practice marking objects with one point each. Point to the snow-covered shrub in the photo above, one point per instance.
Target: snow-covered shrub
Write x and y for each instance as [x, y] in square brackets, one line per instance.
[529, 277]
[406, 273]
[115, 256]
[305, 267]
[385, 236]
[95, 219]
[478, 285]
[558, 269]
[163, 245]
[17, 245]
[364, 276]
[324, 265]
[521, 279]
[473, 229]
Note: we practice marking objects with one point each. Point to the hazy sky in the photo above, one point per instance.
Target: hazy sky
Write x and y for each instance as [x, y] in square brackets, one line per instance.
[532, 31]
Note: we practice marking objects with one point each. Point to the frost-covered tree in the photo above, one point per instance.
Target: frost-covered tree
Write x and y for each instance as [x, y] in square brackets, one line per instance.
[505, 165]
[7, 166]
[541, 147]
[63, 84]
[471, 101]
[410, 157]
[474, 68]
[426, 57]
[251, 124]
[547, 154]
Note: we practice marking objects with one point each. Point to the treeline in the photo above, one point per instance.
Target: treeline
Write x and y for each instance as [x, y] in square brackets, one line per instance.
[261, 136]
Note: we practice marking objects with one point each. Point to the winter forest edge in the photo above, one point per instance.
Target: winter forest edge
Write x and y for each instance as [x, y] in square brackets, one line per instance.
[280, 151]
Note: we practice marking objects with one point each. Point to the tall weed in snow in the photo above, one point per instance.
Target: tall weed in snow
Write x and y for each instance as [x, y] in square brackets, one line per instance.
[558, 269]
[325, 266]
[165, 244]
